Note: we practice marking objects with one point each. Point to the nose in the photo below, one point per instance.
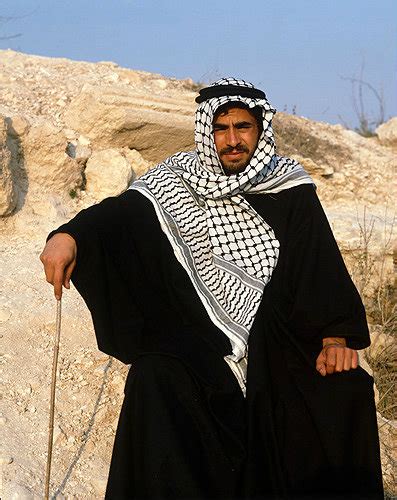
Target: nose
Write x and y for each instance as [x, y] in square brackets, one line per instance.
[232, 137]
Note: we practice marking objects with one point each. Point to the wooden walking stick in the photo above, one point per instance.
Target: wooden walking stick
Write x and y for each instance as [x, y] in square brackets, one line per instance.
[52, 398]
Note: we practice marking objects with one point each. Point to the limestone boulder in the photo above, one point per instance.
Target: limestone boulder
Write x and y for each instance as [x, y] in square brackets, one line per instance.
[46, 161]
[8, 198]
[115, 117]
[18, 126]
[80, 152]
[313, 168]
[107, 173]
[138, 164]
[387, 132]
[345, 165]
[321, 144]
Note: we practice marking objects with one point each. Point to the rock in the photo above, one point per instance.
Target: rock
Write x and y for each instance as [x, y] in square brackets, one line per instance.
[84, 141]
[139, 165]
[6, 460]
[312, 168]
[122, 118]
[59, 436]
[321, 144]
[108, 173]
[79, 152]
[18, 126]
[70, 134]
[46, 162]
[387, 132]
[161, 83]
[8, 198]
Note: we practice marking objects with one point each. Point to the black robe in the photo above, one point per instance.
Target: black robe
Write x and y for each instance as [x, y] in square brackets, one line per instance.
[185, 429]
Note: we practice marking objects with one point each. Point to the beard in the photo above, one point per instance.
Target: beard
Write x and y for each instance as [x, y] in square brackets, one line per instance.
[235, 166]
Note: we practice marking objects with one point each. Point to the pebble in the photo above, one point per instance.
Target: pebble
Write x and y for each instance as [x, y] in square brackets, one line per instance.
[6, 460]
[3, 420]
[58, 433]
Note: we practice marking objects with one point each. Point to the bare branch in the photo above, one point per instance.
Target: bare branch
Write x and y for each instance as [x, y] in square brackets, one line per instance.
[366, 125]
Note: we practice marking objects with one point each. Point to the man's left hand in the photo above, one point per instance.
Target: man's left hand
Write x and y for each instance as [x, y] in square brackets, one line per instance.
[336, 357]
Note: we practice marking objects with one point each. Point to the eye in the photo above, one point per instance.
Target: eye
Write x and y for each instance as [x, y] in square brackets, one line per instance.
[244, 125]
[218, 128]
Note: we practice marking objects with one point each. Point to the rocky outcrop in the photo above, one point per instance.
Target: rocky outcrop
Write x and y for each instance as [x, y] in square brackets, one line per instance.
[62, 112]
[345, 165]
[387, 132]
[47, 164]
[115, 117]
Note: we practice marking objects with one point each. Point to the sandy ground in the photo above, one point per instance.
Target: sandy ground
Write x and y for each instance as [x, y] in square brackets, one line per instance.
[89, 388]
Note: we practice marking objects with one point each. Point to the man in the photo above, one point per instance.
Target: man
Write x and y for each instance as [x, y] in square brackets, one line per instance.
[217, 276]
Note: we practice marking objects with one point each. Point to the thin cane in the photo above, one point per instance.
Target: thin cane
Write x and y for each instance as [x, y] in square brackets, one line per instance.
[52, 399]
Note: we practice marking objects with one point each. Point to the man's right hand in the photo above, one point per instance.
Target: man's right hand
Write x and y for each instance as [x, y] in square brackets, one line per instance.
[59, 260]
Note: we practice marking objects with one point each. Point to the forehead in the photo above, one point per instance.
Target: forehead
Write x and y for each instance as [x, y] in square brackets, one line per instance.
[234, 114]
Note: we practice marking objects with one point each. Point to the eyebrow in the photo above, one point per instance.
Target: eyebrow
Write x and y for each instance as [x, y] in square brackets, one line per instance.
[222, 126]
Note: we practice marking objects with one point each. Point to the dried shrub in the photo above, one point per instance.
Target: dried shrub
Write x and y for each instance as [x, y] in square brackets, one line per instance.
[377, 285]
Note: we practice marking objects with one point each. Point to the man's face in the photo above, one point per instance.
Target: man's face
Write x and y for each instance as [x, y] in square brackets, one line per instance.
[236, 135]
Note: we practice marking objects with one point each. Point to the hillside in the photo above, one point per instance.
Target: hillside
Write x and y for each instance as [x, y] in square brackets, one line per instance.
[72, 133]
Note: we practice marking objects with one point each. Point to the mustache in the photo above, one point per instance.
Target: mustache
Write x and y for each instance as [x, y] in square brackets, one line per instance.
[239, 148]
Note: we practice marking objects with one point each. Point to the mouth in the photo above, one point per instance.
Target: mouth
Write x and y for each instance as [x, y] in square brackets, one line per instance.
[233, 154]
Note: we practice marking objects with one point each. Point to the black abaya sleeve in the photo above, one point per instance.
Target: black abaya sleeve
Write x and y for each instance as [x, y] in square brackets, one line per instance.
[325, 300]
[105, 255]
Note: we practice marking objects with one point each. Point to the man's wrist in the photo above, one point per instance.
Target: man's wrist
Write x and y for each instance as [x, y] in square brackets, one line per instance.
[65, 236]
[334, 341]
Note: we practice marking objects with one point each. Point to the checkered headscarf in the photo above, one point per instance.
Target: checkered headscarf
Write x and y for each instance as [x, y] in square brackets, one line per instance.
[227, 249]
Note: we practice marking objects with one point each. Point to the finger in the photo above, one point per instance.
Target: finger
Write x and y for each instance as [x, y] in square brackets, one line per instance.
[347, 362]
[340, 358]
[57, 282]
[354, 359]
[330, 356]
[68, 274]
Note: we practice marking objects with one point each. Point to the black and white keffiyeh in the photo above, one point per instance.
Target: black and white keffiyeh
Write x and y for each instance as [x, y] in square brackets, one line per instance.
[227, 249]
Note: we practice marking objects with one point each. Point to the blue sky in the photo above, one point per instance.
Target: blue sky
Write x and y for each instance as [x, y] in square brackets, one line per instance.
[298, 51]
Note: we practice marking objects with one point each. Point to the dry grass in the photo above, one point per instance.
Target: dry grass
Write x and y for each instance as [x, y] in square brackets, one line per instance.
[374, 278]
[376, 282]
